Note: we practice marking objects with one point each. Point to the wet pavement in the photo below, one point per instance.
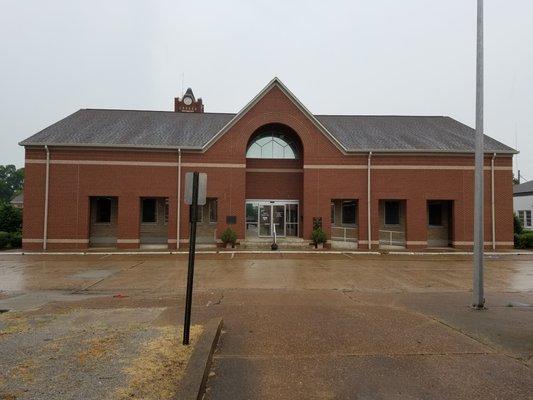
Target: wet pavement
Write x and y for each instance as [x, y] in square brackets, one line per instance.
[315, 326]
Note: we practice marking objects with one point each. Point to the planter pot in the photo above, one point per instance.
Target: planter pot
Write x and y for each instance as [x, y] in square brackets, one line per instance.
[319, 246]
[230, 246]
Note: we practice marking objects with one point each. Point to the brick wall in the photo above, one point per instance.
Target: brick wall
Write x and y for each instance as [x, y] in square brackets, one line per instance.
[314, 179]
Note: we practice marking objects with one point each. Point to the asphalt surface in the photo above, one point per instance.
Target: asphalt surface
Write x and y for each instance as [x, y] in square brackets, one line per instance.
[315, 326]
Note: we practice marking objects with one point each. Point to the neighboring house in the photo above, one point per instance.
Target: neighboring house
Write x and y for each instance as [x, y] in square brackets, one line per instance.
[523, 203]
[18, 200]
[115, 177]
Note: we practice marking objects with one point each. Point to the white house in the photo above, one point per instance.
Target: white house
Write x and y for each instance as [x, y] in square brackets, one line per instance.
[523, 203]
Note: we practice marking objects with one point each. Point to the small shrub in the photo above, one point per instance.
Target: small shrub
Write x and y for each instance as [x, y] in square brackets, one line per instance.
[16, 240]
[319, 236]
[517, 223]
[229, 236]
[5, 239]
[521, 241]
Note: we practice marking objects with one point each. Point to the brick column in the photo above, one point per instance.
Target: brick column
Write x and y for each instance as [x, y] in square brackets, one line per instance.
[416, 223]
[128, 222]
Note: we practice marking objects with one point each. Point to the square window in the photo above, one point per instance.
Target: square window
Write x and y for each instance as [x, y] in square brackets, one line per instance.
[392, 213]
[149, 211]
[103, 210]
[212, 204]
[348, 212]
[435, 214]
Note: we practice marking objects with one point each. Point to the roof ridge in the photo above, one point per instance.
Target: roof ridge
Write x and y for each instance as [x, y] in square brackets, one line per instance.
[155, 111]
[381, 115]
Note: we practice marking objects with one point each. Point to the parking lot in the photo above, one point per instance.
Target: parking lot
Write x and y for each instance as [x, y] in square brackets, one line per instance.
[314, 326]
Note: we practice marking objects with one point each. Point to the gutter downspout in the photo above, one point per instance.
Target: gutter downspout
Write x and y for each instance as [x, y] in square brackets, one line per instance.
[46, 190]
[179, 202]
[369, 204]
[492, 202]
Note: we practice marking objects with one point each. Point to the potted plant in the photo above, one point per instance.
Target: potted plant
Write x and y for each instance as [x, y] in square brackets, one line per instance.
[319, 238]
[229, 238]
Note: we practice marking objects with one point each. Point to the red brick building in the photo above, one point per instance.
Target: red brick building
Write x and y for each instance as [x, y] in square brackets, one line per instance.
[115, 178]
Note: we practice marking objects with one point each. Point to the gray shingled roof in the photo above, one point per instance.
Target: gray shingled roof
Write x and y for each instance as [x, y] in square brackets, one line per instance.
[523, 189]
[130, 128]
[164, 129]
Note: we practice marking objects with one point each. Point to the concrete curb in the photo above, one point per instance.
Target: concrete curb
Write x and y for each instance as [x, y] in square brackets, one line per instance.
[353, 253]
[193, 383]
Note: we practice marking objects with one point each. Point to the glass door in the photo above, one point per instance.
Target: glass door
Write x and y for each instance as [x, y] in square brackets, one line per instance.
[278, 216]
[265, 220]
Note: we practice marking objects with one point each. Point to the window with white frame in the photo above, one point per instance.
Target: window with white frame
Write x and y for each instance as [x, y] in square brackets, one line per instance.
[525, 217]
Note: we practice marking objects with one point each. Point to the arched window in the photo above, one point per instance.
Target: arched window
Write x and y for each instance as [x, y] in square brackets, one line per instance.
[272, 144]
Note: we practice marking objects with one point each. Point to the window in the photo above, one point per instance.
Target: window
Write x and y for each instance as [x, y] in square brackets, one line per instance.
[348, 212]
[392, 213]
[272, 144]
[166, 211]
[333, 213]
[149, 211]
[103, 210]
[525, 217]
[435, 214]
[212, 204]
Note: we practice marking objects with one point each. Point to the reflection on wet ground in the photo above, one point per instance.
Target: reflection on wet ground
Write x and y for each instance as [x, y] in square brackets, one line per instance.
[165, 272]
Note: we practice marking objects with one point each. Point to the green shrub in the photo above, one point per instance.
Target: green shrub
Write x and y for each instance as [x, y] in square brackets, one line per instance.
[318, 236]
[5, 240]
[518, 227]
[10, 218]
[229, 236]
[523, 240]
[16, 240]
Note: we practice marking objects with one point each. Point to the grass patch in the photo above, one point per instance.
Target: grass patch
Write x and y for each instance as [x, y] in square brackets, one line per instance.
[156, 372]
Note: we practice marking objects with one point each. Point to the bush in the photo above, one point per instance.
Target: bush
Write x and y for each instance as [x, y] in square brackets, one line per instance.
[523, 240]
[10, 218]
[229, 236]
[5, 240]
[16, 240]
[518, 227]
[318, 236]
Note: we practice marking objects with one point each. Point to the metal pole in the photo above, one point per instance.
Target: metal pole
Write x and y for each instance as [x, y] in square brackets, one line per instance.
[46, 192]
[192, 244]
[178, 211]
[369, 204]
[479, 299]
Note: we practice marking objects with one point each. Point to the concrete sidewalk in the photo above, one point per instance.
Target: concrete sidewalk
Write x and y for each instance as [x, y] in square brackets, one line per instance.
[308, 327]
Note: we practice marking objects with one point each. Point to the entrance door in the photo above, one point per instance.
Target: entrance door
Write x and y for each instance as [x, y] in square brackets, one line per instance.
[265, 220]
[261, 214]
[278, 216]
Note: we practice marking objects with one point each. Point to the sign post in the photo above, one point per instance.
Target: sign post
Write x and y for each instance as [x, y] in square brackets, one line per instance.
[195, 190]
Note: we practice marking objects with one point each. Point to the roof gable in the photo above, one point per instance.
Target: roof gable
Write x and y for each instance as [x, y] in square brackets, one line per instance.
[272, 84]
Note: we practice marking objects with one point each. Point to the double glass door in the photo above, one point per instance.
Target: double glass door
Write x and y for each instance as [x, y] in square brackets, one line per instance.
[262, 217]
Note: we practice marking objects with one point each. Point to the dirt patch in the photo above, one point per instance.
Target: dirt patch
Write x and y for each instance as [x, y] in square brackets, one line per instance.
[156, 372]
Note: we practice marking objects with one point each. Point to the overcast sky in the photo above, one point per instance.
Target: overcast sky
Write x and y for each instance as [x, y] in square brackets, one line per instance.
[414, 57]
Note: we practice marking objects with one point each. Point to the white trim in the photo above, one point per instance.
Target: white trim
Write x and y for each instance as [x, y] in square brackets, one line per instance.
[128, 241]
[233, 165]
[468, 243]
[135, 163]
[400, 167]
[293, 170]
[55, 240]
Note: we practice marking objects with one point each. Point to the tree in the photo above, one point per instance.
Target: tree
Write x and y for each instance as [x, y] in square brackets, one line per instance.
[11, 181]
[10, 218]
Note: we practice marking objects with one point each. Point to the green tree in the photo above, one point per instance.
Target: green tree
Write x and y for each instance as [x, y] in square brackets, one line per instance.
[11, 181]
[10, 218]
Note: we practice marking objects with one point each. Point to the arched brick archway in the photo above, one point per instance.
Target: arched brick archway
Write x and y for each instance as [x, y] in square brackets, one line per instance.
[274, 182]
